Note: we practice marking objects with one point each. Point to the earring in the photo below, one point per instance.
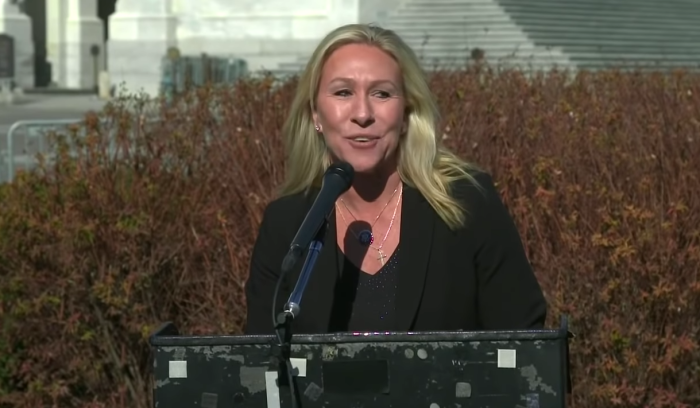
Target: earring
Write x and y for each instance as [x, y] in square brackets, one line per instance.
[318, 128]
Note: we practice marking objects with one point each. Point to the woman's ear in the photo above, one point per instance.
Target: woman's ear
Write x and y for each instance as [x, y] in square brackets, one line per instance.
[317, 125]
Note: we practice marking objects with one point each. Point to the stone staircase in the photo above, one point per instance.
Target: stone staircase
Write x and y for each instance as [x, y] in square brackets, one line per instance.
[541, 34]
[599, 34]
[444, 33]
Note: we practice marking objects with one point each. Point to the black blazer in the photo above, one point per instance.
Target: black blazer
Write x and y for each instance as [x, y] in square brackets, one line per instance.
[474, 278]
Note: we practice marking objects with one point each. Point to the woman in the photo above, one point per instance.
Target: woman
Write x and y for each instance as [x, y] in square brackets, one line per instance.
[421, 241]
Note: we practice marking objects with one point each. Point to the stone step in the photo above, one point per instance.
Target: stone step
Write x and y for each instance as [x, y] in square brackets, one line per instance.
[447, 34]
[449, 30]
[462, 8]
[493, 55]
[642, 47]
[596, 63]
[563, 13]
[439, 64]
[580, 53]
[688, 48]
[581, 22]
[637, 6]
[490, 54]
[640, 5]
[590, 13]
[490, 49]
[588, 55]
[558, 42]
[447, 4]
[418, 35]
[454, 37]
[519, 46]
[506, 47]
[435, 18]
[484, 12]
[594, 13]
[602, 37]
[554, 29]
[536, 18]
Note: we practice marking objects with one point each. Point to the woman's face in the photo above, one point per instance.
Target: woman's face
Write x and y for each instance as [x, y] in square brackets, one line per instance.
[360, 107]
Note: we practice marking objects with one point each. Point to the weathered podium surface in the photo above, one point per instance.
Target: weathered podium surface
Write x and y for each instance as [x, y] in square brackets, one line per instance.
[499, 369]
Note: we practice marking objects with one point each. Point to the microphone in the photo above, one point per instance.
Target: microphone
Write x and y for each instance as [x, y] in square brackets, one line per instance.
[336, 180]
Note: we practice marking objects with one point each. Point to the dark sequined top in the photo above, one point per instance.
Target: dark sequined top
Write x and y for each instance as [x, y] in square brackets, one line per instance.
[365, 302]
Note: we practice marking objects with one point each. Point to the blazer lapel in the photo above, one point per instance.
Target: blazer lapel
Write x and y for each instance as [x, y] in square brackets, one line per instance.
[417, 224]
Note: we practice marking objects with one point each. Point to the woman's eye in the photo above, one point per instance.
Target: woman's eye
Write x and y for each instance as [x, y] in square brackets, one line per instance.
[382, 94]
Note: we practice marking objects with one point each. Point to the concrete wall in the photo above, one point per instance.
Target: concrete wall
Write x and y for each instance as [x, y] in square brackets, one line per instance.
[265, 33]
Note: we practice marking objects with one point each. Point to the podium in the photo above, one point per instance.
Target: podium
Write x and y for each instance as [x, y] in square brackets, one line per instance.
[496, 369]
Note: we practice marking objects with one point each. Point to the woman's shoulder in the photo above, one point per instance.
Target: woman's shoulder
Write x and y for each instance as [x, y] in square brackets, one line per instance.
[289, 206]
[478, 195]
[478, 185]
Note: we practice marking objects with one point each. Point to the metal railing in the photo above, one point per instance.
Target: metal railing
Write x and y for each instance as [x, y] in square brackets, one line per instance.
[180, 73]
[25, 139]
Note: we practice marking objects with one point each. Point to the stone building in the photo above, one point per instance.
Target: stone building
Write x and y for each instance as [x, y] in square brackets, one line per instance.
[63, 43]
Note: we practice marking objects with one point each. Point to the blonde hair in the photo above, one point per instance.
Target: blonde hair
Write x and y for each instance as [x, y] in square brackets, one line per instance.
[422, 163]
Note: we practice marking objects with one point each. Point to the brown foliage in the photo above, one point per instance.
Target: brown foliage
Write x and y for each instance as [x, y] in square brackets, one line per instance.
[153, 215]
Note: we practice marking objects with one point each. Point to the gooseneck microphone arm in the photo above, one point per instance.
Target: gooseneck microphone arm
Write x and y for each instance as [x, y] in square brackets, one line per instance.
[293, 306]
[336, 180]
[291, 310]
[311, 234]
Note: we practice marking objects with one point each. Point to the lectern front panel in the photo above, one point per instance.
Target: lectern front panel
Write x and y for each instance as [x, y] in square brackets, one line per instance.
[431, 370]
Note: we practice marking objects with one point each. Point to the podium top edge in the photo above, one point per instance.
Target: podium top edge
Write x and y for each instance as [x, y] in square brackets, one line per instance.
[384, 337]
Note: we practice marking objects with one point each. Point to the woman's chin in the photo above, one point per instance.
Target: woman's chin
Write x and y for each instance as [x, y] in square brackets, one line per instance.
[369, 164]
[364, 167]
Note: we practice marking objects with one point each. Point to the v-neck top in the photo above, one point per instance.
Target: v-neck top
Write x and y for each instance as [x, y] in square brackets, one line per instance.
[365, 302]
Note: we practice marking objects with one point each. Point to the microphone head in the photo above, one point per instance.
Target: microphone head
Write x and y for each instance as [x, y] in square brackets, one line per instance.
[342, 170]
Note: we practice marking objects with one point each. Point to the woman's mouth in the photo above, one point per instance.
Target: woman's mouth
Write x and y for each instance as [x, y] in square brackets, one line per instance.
[363, 142]
[363, 138]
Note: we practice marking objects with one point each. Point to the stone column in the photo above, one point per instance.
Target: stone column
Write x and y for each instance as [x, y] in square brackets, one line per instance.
[56, 16]
[18, 25]
[140, 32]
[84, 35]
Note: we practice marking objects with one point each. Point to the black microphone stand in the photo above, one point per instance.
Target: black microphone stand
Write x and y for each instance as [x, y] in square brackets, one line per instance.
[284, 320]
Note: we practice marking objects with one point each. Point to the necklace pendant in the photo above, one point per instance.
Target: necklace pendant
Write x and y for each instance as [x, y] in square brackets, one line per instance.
[381, 256]
[366, 238]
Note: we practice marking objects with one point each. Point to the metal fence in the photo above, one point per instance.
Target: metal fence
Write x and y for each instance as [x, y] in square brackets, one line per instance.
[28, 138]
[25, 139]
[182, 72]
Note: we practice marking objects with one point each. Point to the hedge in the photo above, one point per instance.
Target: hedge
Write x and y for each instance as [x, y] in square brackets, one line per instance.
[146, 213]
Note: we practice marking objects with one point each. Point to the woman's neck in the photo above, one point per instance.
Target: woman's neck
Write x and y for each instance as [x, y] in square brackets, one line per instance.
[371, 190]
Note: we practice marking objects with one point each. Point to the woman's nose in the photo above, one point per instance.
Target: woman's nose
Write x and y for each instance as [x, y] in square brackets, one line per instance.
[362, 113]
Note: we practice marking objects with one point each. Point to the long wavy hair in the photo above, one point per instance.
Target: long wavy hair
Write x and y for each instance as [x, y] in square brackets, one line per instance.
[423, 163]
